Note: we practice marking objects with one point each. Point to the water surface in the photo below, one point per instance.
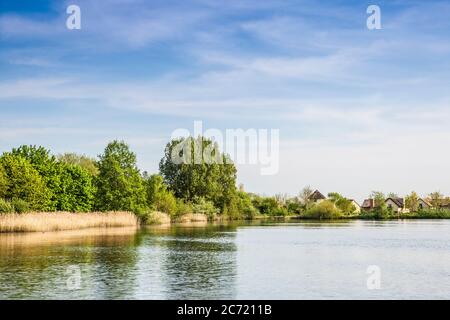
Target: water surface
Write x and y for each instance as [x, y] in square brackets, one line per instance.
[258, 260]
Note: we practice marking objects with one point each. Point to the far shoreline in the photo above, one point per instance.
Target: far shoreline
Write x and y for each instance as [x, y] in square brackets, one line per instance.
[43, 222]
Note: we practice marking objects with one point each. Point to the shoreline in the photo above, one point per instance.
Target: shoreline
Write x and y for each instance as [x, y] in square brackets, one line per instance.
[43, 222]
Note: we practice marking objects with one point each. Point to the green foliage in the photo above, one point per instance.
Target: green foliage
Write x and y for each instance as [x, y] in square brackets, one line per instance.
[3, 182]
[343, 204]
[166, 202]
[88, 164]
[76, 190]
[45, 165]
[189, 174]
[20, 206]
[203, 206]
[412, 202]
[266, 205]
[119, 183]
[323, 210]
[436, 199]
[183, 207]
[245, 205]
[6, 206]
[24, 182]
[432, 214]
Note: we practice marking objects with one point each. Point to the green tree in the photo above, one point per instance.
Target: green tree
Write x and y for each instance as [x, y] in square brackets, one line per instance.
[380, 210]
[77, 190]
[436, 199]
[119, 183]
[3, 182]
[24, 182]
[195, 168]
[87, 163]
[325, 209]
[158, 196]
[412, 201]
[46, 165]
[343, 204]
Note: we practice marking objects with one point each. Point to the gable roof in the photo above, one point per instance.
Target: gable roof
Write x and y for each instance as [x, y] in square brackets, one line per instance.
[398, 201]
[316, 195]
[355, 202]
[368, 203]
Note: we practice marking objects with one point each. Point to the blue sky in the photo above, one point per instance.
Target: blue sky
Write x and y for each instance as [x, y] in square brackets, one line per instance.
[357, 109]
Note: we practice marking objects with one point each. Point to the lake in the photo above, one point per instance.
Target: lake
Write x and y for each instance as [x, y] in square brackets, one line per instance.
[246, 260]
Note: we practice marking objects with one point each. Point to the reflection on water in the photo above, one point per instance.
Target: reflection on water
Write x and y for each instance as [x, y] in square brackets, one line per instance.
[260, 260]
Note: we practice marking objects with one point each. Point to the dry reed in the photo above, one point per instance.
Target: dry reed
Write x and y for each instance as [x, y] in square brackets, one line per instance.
[58, 221]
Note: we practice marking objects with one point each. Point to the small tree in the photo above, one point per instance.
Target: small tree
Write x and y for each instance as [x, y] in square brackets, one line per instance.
[305, 197]
[412, 202]
[380, 210]
[343, 204]
[24, 182]
[436, 199]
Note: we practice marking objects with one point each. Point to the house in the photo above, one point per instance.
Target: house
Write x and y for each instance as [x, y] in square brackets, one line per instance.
[368, 204]
[424, 204]
[356, 205]
[316, 196]
[396, 205]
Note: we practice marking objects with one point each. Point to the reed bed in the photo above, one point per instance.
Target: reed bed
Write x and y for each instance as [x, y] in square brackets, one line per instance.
[58, 221]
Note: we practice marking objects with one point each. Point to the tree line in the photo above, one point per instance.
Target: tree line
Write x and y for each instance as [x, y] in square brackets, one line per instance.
[32, 179]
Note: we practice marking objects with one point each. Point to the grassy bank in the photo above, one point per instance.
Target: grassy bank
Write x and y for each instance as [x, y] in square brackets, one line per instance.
[58, 221]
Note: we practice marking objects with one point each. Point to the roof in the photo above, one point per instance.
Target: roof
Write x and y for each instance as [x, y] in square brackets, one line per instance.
[316, 195]
[398, 201]
[356, 202]
[426, 202]
[368, 203]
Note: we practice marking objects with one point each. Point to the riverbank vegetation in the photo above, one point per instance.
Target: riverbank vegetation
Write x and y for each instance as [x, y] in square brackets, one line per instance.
[34, 180]
[58, 221]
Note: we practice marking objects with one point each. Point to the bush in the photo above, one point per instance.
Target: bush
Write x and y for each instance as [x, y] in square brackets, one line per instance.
[323, 210]
[166, 202]
[205, 207]
[183, 207]
[6, 206]
[20, 206]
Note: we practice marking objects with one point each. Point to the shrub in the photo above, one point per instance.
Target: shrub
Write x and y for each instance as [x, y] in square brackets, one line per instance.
[20, 206]
[6, 206]
[166, 202]
[323, 210]
[205, 207]
[183, 207]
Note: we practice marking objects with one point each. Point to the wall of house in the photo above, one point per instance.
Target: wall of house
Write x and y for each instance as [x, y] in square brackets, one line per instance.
[393, 205]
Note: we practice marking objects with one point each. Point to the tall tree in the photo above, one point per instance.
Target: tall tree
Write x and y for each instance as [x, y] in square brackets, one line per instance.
[195, 168]
[77, 190]
[119, 183]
